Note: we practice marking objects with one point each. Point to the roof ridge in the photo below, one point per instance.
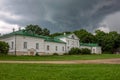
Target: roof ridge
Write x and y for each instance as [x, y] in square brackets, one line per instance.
[25, 33]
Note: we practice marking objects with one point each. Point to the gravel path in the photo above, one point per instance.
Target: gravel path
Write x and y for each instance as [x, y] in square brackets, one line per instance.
[98, 61]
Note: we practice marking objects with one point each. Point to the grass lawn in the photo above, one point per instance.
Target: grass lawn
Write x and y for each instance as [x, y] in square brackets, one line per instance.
[59, 72]
[64, 57]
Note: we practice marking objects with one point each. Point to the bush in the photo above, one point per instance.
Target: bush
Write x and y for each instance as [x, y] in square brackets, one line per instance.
[4, 47]
[55, 53]
[65, 53]
[74, 51]
[85, 51]
[36, 54]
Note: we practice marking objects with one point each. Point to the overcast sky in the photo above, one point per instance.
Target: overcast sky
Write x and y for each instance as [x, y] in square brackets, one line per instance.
[60, 15]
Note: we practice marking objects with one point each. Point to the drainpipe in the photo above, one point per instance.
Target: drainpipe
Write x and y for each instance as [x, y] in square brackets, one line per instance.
[15, 39]
[15, 43]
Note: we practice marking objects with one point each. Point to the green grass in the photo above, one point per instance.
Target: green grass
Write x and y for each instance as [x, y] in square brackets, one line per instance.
[59, 72]
[64, 57]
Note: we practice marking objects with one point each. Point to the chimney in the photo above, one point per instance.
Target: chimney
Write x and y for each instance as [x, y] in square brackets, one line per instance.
[13, 29]
[19, 28]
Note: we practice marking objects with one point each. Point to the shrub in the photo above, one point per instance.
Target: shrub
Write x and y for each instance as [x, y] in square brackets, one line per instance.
[65, 53]
[74, 51]
[85, 51]
[4, 47]
[36, 54]
[55, 53]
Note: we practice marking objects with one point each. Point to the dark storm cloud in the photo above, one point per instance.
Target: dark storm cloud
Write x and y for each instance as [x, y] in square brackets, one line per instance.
[60, 15]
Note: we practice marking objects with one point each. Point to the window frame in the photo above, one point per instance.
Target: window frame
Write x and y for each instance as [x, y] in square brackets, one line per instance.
[48, 47]
[12, 45]
[37, 45]
[25, 45]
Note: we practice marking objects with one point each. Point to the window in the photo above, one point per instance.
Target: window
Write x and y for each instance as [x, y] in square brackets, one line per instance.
[25, 45]
[37, 45]
[68, 48]
[68, 42]
[73, 37]
[72, 42]
[12, 45]
[48, 47]
[56, 48]
[63, 48]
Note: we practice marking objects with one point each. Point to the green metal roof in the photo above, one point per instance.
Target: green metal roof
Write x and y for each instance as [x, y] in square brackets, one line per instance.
[25, 33]
[63, 36]
[54, 40]
[89, 44]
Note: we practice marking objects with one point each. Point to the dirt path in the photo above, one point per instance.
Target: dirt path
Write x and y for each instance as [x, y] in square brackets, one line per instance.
[98, 61]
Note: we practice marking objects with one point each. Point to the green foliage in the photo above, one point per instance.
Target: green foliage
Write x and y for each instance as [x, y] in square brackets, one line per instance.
[85, 36]
[109, 41]
[55, 34]
[85, 51]
[74, 51]
[4, 47]
[65, 53]
[36, 54]
[55, 54]
[35, 29]
[58, 34]
[45, 32]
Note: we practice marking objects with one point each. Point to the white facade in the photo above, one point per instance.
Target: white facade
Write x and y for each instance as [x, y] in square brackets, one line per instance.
[71, 41]
[30, 45]
[51, 48]
[25, 45]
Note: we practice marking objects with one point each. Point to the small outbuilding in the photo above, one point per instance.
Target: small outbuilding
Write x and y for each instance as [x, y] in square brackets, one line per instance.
[117, 51]
[95, 48]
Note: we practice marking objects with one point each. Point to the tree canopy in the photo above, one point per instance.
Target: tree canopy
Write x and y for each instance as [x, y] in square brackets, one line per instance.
[37, 30]
[4, 47]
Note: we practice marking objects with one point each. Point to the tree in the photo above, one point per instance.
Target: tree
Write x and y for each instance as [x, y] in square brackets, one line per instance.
[84, 36]
[108, 41]
[34, 29]
[58, 34]
[45, 32]
[4, 47]
[55, 34]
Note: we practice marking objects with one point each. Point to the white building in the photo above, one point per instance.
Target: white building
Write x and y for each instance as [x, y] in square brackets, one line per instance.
[24, 43]
[95, 49]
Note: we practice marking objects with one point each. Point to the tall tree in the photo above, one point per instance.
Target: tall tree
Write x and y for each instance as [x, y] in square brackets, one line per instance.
[34, 29]
[4, 47]
[108, 41]
[100, 35]
[45, 32]
[85, 36]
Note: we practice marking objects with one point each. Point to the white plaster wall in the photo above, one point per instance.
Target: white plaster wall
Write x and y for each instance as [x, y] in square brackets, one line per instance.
[31, 43]
[70, 43]
[52, 48]
[98, 50]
